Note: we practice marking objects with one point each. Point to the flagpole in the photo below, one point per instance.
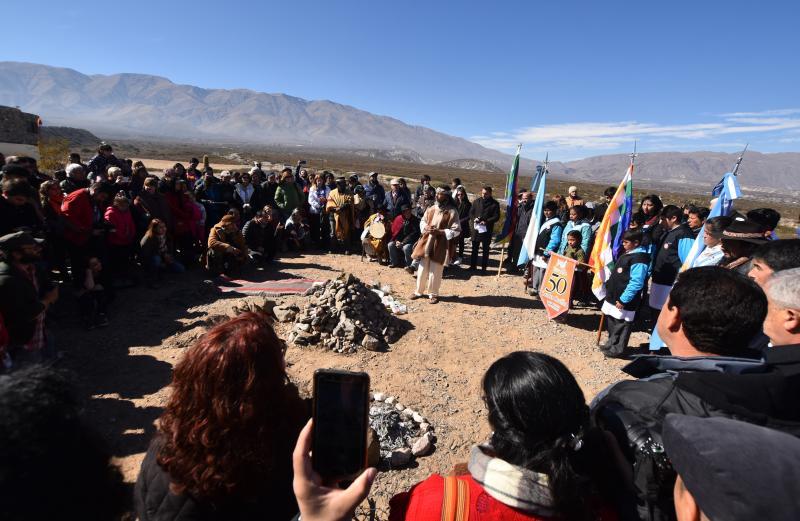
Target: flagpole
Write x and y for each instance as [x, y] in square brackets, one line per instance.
[739, 160]
[633, 156]
[503, 246]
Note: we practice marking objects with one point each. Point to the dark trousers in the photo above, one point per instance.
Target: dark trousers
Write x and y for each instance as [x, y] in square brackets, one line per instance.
[483, 240]
[619, 332]
[513, 252]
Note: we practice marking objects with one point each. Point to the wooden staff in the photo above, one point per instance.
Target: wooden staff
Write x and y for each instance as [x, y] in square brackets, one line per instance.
[502, 257]
[600, 328]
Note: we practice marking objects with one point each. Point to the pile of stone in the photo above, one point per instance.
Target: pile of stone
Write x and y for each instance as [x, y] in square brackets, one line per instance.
[403, 434]
[343, 315]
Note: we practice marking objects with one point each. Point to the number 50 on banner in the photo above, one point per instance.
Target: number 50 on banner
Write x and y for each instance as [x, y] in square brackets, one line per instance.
[557, 285]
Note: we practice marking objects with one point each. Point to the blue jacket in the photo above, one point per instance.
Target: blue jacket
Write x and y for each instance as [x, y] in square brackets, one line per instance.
[393, 206]
[586, 235]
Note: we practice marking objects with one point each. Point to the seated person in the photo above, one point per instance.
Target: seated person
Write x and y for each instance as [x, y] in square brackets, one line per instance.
[157, 252]
[227, 250]
[375, 247]
[260, 235]
[405, 233]
[92, 296]
[296, 231]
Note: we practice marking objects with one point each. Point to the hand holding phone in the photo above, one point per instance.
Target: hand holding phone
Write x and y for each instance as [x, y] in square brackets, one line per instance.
[316, 500]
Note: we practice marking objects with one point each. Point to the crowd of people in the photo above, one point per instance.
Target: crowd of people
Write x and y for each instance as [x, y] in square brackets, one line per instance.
[706, 427]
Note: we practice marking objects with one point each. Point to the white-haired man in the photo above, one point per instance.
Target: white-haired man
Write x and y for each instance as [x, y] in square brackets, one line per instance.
[782, 324]
[439, 225]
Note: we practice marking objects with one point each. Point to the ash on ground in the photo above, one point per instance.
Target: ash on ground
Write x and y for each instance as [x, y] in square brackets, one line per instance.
[403, 433]
[344, 314]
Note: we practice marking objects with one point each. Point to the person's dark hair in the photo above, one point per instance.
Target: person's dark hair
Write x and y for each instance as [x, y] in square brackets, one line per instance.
[100, 186]
[425, 177]
[779, 255]
[610, 191]
[766, 217]
[720, 309]
[233, 415]
[457, 181]
[551, 205]
[671, 211]
[104, 147]
[633, 236]
[701, 212]
[657, 204]
[48, 449]
[15, 187]
[639, 218]
[541, 422]
[716, 225]
[487, 188]
[11, 170]
[575, 234]
[581, 210]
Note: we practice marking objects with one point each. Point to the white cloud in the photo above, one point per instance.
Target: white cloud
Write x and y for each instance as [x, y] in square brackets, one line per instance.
[586, 138]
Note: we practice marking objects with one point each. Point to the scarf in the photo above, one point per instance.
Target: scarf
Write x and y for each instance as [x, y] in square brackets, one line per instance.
[514, 486]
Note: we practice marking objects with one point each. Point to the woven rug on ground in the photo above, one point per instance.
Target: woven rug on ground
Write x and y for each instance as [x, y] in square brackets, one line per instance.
[269, 288]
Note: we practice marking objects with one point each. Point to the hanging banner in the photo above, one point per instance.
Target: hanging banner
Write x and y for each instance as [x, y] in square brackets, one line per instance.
[557, 285]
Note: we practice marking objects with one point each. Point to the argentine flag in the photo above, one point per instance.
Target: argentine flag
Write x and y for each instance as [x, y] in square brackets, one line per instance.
[532, 234]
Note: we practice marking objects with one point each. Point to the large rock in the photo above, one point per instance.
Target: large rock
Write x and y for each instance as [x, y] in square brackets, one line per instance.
[423, 445]
[284, 313]
[370, 343]
[400, 457]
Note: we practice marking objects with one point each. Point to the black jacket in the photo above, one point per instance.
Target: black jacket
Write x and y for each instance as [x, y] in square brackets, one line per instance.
[19, 304]
[524, 214]
[634, 410]
[486, 210]
[155, 502]
[667, 262]
[409, 233]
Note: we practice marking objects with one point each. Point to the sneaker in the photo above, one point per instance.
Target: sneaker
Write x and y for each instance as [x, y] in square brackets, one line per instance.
[411, 270]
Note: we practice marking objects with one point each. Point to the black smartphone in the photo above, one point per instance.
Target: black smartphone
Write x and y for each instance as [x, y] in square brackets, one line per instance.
[341, 402]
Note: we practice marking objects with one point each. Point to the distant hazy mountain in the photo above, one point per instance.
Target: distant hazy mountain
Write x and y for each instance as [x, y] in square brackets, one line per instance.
[139, 105]
[777, 173]
[144, 105]
[472, 164]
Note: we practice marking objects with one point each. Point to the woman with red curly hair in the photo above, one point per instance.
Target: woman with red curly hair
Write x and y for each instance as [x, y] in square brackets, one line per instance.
[225, 440]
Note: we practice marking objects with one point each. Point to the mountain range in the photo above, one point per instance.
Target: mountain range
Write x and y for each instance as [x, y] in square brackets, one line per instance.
[140, 105]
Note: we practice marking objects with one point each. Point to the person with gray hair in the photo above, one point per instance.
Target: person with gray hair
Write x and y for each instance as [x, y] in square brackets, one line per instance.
[76, 178]
[782, 324]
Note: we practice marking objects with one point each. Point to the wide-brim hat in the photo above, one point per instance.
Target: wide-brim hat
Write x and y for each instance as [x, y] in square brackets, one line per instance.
[12, 241]
[744, 230]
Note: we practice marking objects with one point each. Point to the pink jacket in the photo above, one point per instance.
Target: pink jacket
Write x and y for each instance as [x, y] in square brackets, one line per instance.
[124, 229]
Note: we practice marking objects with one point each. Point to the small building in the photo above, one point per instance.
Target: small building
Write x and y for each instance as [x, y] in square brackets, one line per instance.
[19, 132]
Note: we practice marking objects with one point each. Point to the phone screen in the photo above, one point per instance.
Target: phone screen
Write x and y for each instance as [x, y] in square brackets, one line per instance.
[340, 423]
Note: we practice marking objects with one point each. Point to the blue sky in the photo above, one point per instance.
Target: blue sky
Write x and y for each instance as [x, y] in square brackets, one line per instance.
[572, 78]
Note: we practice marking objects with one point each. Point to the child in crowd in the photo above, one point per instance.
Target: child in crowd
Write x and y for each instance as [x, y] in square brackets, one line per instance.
[92, 296]
[158, 252]
[573, 250]
[712, 238]
[624, 293]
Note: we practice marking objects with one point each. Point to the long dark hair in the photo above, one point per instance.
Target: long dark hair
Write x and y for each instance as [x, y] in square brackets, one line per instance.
[541, 422]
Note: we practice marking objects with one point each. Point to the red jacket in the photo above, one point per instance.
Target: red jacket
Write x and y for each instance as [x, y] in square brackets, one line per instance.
[424, 503]
[77, 208]
[124, 228]
[183, 212]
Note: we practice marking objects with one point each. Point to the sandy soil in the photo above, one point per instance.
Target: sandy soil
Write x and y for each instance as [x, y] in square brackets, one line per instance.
[436, 368]
[157, 165]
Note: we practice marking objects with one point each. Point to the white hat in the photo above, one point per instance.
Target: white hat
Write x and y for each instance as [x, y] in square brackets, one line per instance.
[225, 173]
[572, 189]
[395, 181]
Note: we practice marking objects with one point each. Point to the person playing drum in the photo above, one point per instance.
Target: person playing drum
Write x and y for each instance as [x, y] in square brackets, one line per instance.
[376, 235]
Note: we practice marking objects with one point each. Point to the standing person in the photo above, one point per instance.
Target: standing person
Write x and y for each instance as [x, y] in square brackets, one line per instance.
[601, 207]
[18, 208]
[223, 452]
[563, 209]
[624, 293]
[438, 226]
[424, 181]
[287, 194]
[92, 296]
[573, 199]
[782, 323]
[100, 163]
[193, 174]
[24, 296]
[712, 238]
[374, 192]
[121, 239]
[395, 198]
[772, 257]
[80, 208]
[524, 213]
[577, 222]
[50, 198]
[767, 218]
[463, 206]
[317, 198]
[670, 253]
[455, 183]
[151, 204]
[268, 188]
[405, 233]
[76, 178]
[739, 241]
[696, 219]
[547, 242]
[341, 209]
[484, 214]
[244, 195]
[650, 208]
[405, 189]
